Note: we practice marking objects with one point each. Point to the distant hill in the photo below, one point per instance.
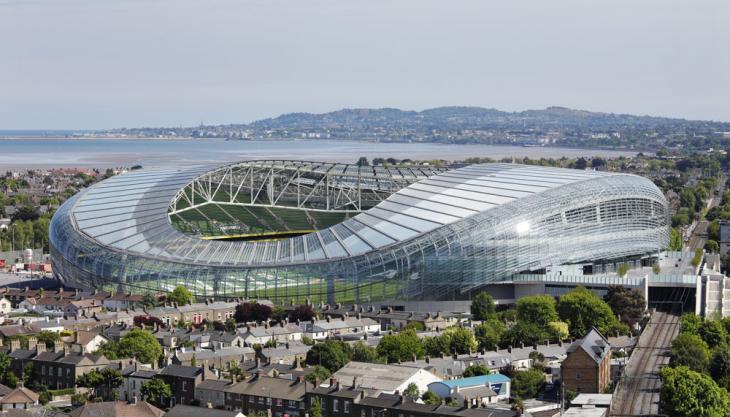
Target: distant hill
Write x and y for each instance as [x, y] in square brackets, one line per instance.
[464, 117]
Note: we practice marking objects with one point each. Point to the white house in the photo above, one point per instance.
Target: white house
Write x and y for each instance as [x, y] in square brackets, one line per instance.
[385, 378]
[86, 342]
[5, 306]
[332, 327]
[479, 390]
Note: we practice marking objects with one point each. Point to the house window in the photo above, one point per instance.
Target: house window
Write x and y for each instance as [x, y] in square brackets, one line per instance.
[261, 400]
[292, 403]
[183, 385]
[362, 413]
[278, 402]
[323, 403]
[60, 371]
[43, 369]
[346, 406]
[268, 400]
[335, 405]
[250, 399]
[577, 375]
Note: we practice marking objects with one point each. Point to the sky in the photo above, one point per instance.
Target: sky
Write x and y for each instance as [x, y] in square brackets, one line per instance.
[95, 64]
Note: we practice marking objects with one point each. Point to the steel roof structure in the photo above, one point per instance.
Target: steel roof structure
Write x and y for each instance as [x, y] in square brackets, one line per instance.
[470, 225]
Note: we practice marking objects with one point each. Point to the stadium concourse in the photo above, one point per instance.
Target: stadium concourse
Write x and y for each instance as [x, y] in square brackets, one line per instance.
[294, 230]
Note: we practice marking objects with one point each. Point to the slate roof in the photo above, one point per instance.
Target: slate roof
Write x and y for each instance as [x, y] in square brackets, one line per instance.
[117, 409]
[593, 344]
[374, 375]
[192, 411]
[270, 387]
[19, 395]
[182, 371]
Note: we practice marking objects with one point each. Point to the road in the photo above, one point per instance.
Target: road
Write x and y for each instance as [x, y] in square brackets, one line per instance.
[638, 391]
[699, 234]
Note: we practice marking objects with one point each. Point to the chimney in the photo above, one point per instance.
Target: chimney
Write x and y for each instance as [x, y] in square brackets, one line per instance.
[509, 349]
[428, 359]
[300, 379]
[258, 362]
[40, 348]
[32, 343]
[204, 367]
[333, 382]
[466, 402]
[209, 405]
[14, 345]
[134, 400]
[260, 373]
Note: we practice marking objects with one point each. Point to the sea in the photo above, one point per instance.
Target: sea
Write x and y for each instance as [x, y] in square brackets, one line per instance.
[27, 153]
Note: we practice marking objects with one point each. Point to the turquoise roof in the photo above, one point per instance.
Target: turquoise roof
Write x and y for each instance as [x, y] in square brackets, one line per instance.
[476, 380]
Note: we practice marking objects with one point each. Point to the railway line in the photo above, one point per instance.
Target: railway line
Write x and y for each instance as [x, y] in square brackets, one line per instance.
[638, 391]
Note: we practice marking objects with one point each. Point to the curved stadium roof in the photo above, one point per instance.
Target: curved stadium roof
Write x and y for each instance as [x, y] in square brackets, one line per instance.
[129, 212]
[358, 232]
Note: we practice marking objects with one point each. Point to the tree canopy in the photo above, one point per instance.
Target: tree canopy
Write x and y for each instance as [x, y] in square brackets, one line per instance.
[482, 306]
[691, 351]
[252, 311]
[526, 384]
[331, 354]
[688, 393]
[137, 344]
[489, 333]
[180, 295]
[582, 310]
[538, 309]
[625, 303]
[157, 392]
[403, 346]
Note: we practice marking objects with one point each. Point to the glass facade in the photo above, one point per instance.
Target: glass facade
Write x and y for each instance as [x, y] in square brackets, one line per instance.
[435, 235]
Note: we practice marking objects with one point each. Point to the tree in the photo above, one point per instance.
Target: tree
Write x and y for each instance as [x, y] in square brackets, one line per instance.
[688, 393]
[431, 398]
[362, 162]
[538, 309]
[524, 333]
[91, 380]
[623, 269]
[157, 392]
[103, 383]
[460, 340]
[319, 373]
[690, 351]
[332, 354]
[315, 408]
[582, 310]
[712, 332]
[712, 246]
[303, 312]
[675, 240]
[690, 323]
[482, 306]
[476, 370]
[412, 391]
[435, 346]
[527, 384]
[489, 333]
[252, 311]
[625, 303]
[401, 347]
[720, 366]
[558, 330]
[364, 353]
[140, 345]
[180, 295]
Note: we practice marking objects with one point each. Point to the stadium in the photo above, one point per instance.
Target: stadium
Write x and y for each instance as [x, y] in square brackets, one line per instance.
[295, 230]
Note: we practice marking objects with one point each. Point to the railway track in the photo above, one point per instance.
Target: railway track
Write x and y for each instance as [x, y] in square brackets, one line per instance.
[638, 392]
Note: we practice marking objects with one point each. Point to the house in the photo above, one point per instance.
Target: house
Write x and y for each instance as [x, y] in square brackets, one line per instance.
[191, 411]
[134, 376]
[587, 368]
[261, 393]
[586, 411]
[339, 401]
[85, 341]
[84, 307]
[117, 409]
[384, 378]
[59, 369]
[224, 339]
[183, 380]
[211, 393]
[286, 354]
[5, 306]
[20, 397]
[450, 367]
[284, 332]
[592, 400]
[121, 301]
[476, 390]
[333, 327]
[219, 358]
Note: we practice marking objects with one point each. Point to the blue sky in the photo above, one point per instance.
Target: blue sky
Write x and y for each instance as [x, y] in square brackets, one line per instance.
[114, 63]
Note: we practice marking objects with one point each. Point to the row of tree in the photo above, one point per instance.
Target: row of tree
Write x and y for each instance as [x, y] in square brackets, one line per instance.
[697, 382]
